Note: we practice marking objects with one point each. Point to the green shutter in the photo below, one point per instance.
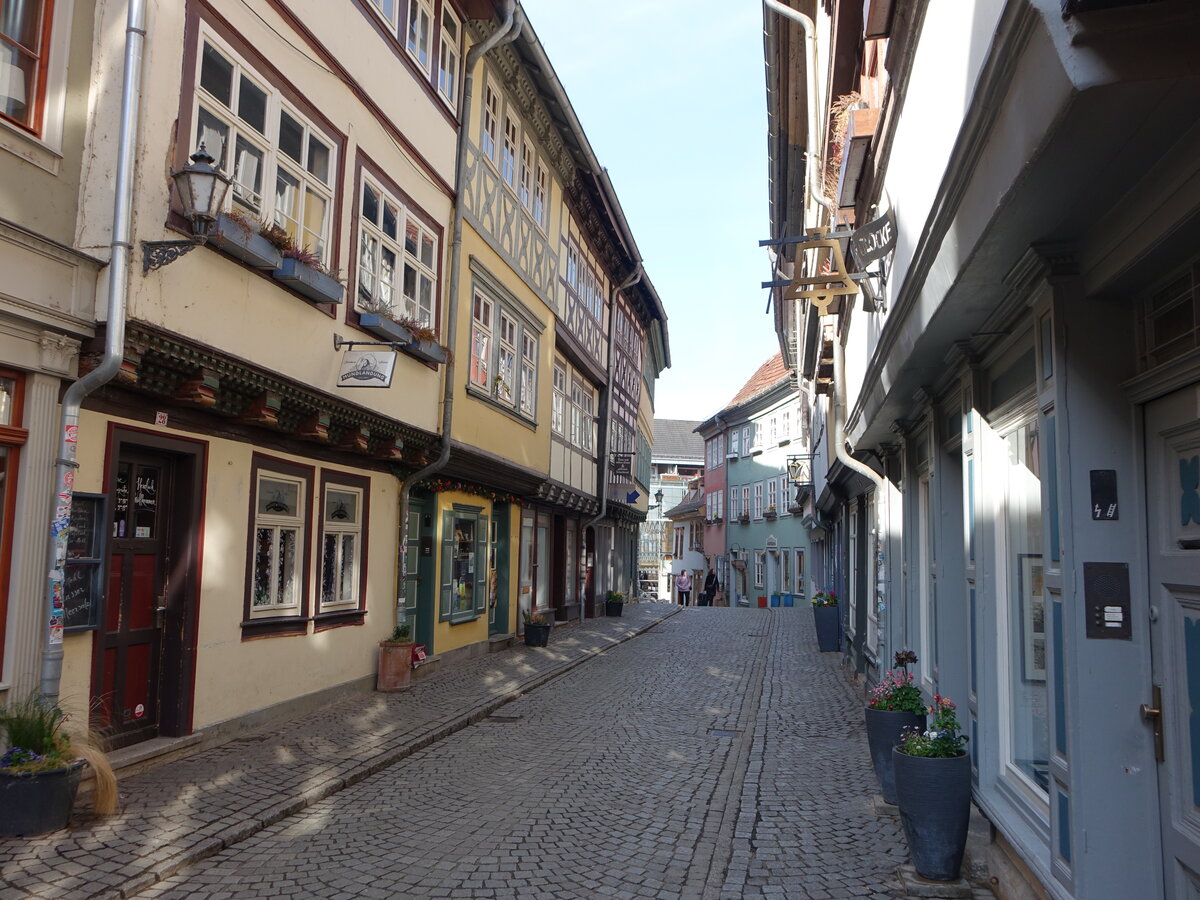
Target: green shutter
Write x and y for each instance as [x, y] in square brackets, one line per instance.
[481, 563]
[446, 576]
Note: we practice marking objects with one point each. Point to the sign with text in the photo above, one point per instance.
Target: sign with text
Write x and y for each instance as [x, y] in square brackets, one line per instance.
[874, 241]
[364, 368]
[82, 594]
[622, 465]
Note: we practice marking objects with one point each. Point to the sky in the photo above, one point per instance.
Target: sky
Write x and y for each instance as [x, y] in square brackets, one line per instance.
[672, 97]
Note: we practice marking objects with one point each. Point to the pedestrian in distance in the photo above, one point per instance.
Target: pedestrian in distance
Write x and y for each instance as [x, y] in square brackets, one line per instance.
[711, 586]
[683, 584]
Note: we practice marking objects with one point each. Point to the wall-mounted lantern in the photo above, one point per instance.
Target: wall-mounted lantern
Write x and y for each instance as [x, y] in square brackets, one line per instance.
[202, 187]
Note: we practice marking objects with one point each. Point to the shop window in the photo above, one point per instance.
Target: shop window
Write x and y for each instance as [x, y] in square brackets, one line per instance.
[464, 575]
[279, 538]
[342, 541]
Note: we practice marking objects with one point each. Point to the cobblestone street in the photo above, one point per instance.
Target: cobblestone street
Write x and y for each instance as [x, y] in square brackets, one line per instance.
[690, 753]
[716, 755]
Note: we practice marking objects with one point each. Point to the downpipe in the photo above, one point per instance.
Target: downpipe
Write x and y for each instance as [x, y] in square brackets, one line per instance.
[509, 30]
[66, 463]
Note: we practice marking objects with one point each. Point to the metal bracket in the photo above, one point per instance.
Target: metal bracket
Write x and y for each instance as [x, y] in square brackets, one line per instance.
[781, 242]
[156, 254]
[339, 342]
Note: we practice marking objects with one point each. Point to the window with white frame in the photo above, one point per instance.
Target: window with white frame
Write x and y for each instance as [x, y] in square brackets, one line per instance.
[342, 547]
[747, 435]
[721, 503]
[558, 408]
[277, 580]
[419, 35]
[773, 495]
[388, 9]
[281, 165]
[773, 430]
[734, 444]
[397, 259]
[758, 500]
[528, 168]
[449, 56]
[508, 152]
[785, 425]
[489, 137]
[785, 568]
[760, 567]
[785, 494]
[498, 335]
[745, 511]
[541, 196]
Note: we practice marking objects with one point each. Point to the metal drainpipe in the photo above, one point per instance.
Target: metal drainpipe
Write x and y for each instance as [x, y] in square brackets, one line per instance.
[606, 401]
[510, 28]
[118, 273]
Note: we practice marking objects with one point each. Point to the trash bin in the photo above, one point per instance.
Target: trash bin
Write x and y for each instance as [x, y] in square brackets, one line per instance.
[775, 600]
[762, 602]
[788, 599]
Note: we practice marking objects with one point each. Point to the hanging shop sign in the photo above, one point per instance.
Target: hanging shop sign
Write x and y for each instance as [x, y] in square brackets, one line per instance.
[831, 281]
[366, 368]
[621, 465]
[874, 241]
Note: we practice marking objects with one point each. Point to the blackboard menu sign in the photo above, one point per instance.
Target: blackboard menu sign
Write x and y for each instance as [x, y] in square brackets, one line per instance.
[83, 593]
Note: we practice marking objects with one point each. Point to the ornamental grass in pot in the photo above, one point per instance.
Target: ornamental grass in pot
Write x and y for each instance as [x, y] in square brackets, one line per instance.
[537, 629]
[614, 602]
[41, 768]
[933, 787]
[895, 706]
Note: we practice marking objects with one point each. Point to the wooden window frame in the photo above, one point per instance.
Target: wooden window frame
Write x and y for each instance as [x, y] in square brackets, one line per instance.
[41, 54]
[265, 624]
[338, 615]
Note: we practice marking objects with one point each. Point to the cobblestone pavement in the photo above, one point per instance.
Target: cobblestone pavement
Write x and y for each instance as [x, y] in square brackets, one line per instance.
[718, 755]
[187, 810]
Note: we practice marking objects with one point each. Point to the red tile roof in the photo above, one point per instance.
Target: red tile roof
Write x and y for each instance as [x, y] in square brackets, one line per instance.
[768, 375]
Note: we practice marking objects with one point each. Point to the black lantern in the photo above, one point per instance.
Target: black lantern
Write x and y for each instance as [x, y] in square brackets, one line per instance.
[202, 187]
[799, 469]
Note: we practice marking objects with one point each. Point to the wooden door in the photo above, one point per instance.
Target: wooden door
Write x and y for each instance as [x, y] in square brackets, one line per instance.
[1173, 518]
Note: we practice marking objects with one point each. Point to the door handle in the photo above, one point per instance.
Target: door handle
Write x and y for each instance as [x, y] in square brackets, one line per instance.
[1153, 713]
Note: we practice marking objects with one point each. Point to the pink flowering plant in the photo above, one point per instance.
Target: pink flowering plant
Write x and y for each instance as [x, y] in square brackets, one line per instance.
[825, 598]
[942, 739]
[897, 692]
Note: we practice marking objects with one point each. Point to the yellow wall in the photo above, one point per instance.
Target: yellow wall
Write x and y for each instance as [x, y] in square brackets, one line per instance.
[236, 676]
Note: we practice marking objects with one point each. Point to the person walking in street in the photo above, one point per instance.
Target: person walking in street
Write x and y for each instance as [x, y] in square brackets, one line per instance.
[683, 583]
[711, 586]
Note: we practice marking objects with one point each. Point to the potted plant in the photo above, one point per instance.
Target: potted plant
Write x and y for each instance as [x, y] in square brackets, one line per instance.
[245, 238]
[423, 342]
[302, 271]
[395, 660]
[933, 787]
[41, 768]
[537, 629]
[895, 708]
[827, 619]
[770, 512]
[614, 602]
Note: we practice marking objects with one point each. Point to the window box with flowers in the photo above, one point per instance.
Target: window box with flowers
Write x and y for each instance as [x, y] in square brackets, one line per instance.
[303, 272]
[770, 512]
[242, 238]
[744, 519]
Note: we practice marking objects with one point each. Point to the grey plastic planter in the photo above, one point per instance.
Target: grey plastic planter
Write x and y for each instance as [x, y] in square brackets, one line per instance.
[34, 803]
[384, 328]
[306, 280]
[430, 351]
[828, 622]
[935, 809]
[244, 243]
[885, 727]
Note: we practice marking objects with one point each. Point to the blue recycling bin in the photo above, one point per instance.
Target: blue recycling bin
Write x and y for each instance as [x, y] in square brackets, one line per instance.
[775, 600]
[789, 599]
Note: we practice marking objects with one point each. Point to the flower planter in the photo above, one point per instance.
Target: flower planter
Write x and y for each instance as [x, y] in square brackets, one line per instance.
[383, 327]
[33, 803]
[537, 635]
[244, 242]
[429, 351]
[884, 728]
[935, 809]
[613, 607]
[309, 282]
[395, 666]
[828, 622]
[770, 515]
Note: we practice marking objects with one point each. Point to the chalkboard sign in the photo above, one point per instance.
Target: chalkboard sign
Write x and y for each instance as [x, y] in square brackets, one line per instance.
[83, 593]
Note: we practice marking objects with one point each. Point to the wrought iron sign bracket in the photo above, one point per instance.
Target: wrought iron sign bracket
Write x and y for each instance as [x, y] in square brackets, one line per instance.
[339, 342]
[156, 254]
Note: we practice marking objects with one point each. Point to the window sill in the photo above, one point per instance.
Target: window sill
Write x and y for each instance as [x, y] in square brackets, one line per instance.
[274, 626]
[29, 148]
[462, 618]
[484, 397]
[338, 618]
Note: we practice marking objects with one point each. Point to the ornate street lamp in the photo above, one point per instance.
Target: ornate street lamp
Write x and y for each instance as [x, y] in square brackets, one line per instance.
[202, 187]
[799, 469]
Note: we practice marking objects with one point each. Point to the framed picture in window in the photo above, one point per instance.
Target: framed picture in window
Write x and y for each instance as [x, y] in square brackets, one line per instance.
[1032, 591]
